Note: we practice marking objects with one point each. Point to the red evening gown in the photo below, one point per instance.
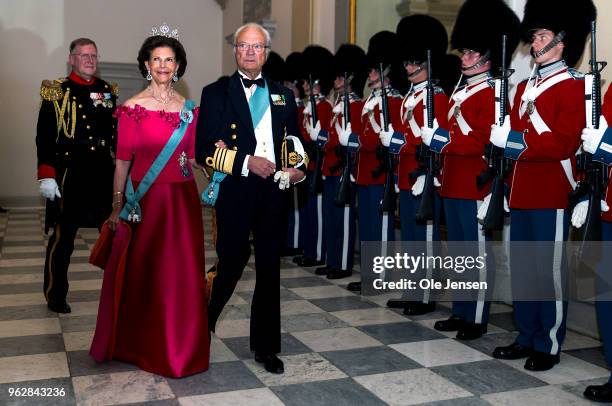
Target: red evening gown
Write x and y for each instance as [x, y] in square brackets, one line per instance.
[161, 321]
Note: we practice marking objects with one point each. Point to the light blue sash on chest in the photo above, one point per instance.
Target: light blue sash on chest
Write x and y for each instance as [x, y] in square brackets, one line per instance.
[258, 105]
[131, 210]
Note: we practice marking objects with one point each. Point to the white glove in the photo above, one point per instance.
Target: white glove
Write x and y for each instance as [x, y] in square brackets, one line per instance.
[484, 207]
[582, 209]
[591, 137]
[283, 179]
[396, 187]
[499, 134]
[419, 185]
[314, 132]
[428, 133]
[49, 189]
[385, 136]
[344, 134]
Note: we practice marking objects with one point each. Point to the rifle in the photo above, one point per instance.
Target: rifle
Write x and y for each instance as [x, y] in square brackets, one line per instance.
[425, 211]
[344, 195]
[497, 164]
[315, 185]
[388, 202]
[595, 180]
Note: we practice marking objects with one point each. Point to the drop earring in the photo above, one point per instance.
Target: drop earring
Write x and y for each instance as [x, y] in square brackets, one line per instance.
[149, 77]
[175, 77]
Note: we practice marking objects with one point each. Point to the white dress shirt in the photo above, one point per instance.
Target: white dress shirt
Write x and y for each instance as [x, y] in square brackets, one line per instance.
[263, 132]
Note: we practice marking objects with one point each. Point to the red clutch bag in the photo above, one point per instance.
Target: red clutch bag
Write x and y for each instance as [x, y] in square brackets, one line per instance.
[102, 249]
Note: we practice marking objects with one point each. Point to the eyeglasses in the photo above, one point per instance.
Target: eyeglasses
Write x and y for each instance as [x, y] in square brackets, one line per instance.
[88, 57]
[244, 47]
[415, 63]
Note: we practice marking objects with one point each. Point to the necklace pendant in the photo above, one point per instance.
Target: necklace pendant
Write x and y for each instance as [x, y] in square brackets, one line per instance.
[183, 164]
[530, 107]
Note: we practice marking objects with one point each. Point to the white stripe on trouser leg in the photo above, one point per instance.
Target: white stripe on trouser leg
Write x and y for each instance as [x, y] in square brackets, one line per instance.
[557, 253]
[383, 239]
[296, 216]
[429, 249]
[482, 274]
[345, 237]
[319, 227]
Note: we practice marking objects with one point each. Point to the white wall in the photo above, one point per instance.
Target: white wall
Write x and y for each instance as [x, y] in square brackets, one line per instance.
[374, 16]
[34, 39]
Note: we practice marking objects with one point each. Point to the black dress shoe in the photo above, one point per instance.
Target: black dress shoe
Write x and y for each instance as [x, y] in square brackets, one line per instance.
[599, 393]
[308, 262]
[453, 323]
[397, 303]
[59, 307]
[339, 273]
[512, 351]
[271, 362]
[297, 258]
[354, 286]
[471, 331]
[323, 270]
[419, 308]
[539, 361]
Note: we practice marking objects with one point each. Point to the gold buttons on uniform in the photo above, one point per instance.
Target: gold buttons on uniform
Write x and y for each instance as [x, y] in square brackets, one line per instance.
[88, 127]
[66, 153]
[93, 148]
[233, 126]
[84, 116]
[90, 137]
[80, 106]
[233, 136]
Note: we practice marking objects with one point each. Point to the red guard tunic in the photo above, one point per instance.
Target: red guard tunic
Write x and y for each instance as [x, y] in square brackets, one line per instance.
[332, 161]
[412, 119]
[539, 180]
[607, 113]
[369, 139]
[474, 106]
[324, 114]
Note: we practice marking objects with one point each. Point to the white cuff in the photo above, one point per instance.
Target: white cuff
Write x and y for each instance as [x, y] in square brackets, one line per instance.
[245, 168]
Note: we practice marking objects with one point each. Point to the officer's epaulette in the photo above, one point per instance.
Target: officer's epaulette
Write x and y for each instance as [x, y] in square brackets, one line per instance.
[51, 90]
[576, 74]
[114, 89]
[438, 90]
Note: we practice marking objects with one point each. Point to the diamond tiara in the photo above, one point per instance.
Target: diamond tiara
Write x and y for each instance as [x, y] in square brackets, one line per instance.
[164, 30]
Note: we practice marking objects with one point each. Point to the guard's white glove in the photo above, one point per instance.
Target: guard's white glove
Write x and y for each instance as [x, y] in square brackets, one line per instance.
[428, 133]
[385, 136]
[484, 207]
[283, 179]
[499, 134]
[49, 189]
[344, 134]
[314, 132]
[581, 210]
[419, 185]
[591, 137]
[396, 187]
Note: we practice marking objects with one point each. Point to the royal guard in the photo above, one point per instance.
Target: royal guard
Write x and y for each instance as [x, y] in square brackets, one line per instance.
[75, 138]
[315, 127]
[338, 163]
[541, 135]
[470, 113]
[413, 113]
[376, 224]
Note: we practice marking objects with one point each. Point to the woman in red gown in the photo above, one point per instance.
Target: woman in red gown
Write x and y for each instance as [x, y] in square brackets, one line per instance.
[159, 319]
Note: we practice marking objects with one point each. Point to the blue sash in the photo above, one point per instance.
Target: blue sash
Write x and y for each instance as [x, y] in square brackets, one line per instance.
[131, 210]
[258, 105]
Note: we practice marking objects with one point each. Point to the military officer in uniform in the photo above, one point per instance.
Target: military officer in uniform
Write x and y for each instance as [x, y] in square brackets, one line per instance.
[541, 135]
[75, 136]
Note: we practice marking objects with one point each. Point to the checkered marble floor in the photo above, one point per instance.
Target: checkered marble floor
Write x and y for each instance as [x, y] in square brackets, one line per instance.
[338, 347]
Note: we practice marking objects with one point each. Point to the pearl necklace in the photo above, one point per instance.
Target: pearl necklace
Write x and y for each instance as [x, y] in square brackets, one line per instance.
[161, 99]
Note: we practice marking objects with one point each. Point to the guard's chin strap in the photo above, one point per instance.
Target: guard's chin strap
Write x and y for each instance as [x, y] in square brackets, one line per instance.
[481, 61]
[553, 43]
[419, 70]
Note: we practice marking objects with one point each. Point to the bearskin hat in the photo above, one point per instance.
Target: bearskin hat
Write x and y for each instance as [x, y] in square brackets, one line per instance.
[383, 47]
[418, 33]
[294, 67]
[570, 16]
[317, 62]
[474, 32]
[351, 59]
[274, 67]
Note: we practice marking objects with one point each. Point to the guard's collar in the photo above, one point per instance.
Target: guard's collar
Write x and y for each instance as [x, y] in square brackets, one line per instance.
[551, 68]
[472, 80]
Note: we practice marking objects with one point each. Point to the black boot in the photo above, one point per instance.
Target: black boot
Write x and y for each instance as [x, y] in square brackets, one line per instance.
[354, 286]
[539, 361]
[397, 303]
[419, 308]
[59, 306]
[599, 393]
[512, 351]
[453, 323]
[471, 331]
[323, 270]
